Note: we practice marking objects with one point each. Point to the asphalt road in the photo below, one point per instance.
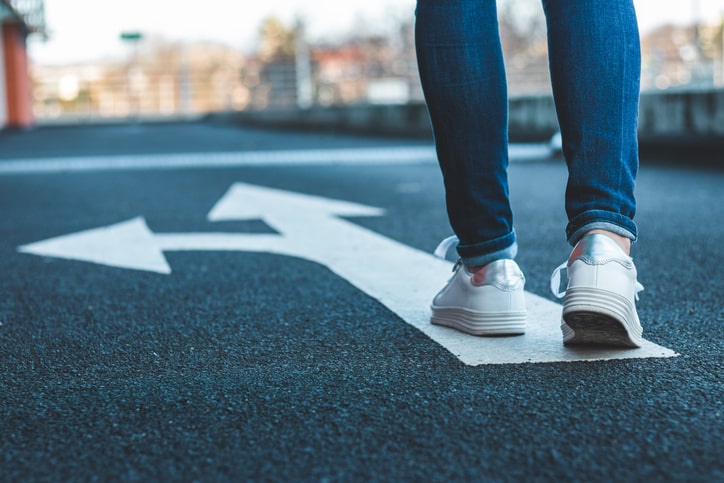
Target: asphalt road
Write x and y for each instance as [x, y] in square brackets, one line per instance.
[242, 366]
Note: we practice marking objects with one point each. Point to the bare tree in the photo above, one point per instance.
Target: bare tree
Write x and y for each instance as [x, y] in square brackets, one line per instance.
[522, 25]
[277, 42]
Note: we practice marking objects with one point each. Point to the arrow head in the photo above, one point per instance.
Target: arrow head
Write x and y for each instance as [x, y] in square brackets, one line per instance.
[245, 202]
[129, 244]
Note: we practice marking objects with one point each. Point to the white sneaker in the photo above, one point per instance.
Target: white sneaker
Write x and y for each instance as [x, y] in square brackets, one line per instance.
[599, 306]
[488, 302]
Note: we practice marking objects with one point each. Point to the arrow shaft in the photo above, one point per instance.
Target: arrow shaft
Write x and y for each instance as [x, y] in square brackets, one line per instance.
[377, 265]
[219, 242]
[399, 276]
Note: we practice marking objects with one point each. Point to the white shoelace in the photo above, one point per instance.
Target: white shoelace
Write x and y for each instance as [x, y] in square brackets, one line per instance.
[556, 282]
[444, 247]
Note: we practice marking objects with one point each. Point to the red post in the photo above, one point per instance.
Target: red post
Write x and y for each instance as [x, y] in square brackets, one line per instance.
[17, 78]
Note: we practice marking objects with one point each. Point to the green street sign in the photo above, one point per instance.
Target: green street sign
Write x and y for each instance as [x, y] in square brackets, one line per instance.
[131, 36]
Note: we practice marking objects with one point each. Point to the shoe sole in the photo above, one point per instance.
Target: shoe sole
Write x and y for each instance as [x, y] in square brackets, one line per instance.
[596, 317]
[477, 323]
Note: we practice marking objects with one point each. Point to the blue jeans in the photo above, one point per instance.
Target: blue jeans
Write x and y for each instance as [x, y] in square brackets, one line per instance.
[595, 64]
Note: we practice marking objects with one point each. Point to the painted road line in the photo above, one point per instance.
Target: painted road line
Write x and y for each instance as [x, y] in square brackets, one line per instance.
[371, 156]
[394, 155]
[402, 278]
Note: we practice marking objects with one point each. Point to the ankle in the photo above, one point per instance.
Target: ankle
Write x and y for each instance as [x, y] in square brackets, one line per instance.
[621, 241]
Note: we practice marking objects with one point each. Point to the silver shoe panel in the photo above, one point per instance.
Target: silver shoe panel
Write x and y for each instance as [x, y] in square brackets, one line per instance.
[502, 274]
[598, 249]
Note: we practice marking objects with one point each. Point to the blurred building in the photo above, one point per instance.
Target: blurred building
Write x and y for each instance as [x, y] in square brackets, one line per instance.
[289, 72]
[18, 19]
[161, 78]
[683, 57]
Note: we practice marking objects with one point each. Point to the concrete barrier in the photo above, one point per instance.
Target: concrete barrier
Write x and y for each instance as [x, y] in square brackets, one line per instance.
[693, 119]
[406, 120]
[696, 114]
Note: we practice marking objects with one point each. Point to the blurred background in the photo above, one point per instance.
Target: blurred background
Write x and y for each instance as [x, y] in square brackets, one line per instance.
[89, 60]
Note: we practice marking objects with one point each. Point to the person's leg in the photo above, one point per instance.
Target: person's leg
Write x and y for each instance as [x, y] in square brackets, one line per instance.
[463, 78]
[595, 69]
[595, 65]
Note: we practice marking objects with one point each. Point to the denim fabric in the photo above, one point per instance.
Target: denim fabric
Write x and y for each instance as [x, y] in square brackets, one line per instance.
[595, 69]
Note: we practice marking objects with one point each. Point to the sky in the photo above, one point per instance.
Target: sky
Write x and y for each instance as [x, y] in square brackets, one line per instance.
[88, 30]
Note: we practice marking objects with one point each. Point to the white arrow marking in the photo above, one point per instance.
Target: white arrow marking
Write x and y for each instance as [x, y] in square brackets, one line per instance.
[402, 278]
[125, 245]
[131, 245]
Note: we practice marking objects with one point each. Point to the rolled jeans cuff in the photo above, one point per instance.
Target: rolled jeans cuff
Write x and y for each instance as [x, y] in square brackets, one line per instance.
[481, 254]
[600, 220]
